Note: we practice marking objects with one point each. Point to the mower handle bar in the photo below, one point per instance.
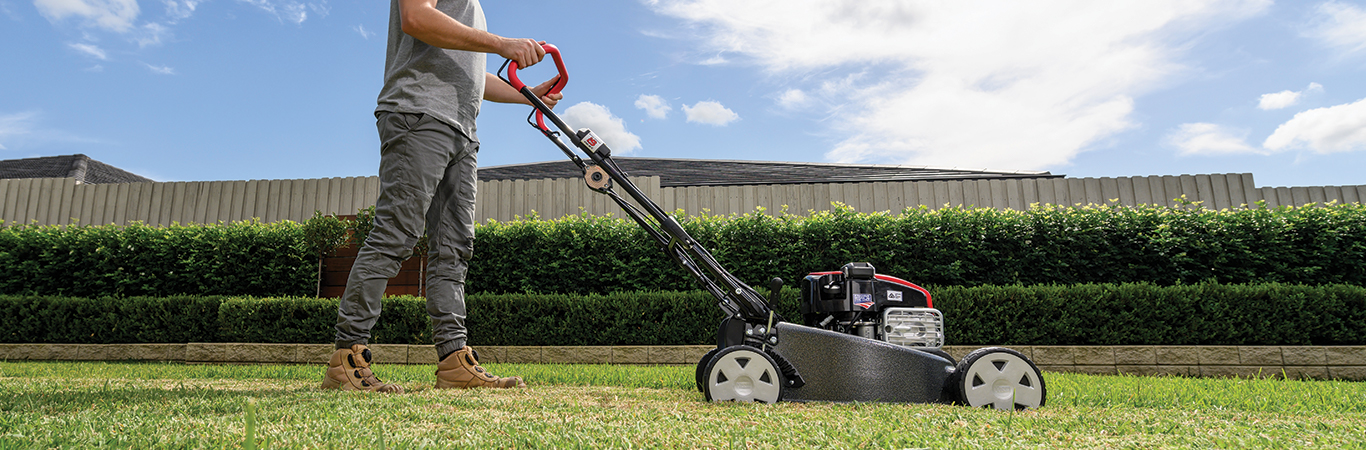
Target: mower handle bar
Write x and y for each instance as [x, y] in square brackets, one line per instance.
[737, 298]
[517, 83]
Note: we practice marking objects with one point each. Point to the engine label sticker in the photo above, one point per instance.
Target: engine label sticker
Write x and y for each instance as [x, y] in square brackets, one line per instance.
[864, 301]
[893, 296]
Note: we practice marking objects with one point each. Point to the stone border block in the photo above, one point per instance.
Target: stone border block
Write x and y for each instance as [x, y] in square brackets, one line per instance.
[631, 354]
[427, 355]
[64, 352]
[1260, 356]
[1094, 356]
[203, 352]
[1135, 355]
[1178, 355]
[1304, 356]
[577, 354]
[313, 353]
[524, 355]
[958, 351]
[1347, 373]
[1346, 356]
[134, 352]
[670, 355]
[1219, 356]
[24, 352]
[1306, 372]
[694, 353]
[1053, 356]
[389, 353]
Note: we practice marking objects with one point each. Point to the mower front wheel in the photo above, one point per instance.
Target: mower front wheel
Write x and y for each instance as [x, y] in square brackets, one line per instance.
[745, 374]
[998, 377]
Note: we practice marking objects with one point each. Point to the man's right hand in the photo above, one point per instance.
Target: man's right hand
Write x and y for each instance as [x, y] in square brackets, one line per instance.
[527, 52]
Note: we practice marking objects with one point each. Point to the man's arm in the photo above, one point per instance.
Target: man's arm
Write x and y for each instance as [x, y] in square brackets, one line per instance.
[495, 90]
[421, 19]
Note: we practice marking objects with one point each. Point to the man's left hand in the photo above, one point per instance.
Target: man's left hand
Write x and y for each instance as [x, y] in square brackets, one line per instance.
[541, 91]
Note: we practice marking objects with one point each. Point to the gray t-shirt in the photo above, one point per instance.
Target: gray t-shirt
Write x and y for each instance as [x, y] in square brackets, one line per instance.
[420, 78]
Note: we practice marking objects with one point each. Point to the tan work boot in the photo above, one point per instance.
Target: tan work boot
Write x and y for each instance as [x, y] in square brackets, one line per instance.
[461, 370]
[349, 370]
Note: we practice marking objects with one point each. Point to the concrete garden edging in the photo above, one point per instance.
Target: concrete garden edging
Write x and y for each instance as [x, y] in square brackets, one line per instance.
[1293, 362]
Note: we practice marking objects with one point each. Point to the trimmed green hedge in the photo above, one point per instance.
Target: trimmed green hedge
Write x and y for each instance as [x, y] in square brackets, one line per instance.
[1088, 314]
[70, 320]
[585, 254]
[946, 247]
[241, 258]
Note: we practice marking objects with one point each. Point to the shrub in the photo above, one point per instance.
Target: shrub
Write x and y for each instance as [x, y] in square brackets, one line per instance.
[1087, 314]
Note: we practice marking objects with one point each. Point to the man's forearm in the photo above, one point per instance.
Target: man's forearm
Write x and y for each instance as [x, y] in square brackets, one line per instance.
[495, 90]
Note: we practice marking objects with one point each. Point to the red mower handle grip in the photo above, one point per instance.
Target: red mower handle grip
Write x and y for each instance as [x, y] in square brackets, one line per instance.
[554, 52]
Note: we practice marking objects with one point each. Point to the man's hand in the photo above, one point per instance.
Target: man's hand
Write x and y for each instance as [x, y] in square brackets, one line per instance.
[527, 52]
[541, 91]
[495, 90]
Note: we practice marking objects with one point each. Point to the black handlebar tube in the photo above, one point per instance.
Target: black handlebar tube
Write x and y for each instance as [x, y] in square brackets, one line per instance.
[736, 298]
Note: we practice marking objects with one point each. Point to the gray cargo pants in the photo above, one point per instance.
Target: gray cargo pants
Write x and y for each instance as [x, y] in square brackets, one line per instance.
[427, 174]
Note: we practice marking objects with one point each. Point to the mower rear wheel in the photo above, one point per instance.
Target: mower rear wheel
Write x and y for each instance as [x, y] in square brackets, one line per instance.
[999, 377]
[745, 374]
[701, 375]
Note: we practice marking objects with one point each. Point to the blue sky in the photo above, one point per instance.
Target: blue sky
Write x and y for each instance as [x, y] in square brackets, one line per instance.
[201, 90]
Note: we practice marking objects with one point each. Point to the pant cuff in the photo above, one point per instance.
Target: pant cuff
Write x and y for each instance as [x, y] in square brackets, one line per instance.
[448, 347]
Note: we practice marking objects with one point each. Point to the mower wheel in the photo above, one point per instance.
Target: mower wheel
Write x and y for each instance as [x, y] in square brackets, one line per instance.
[998, 377]
[743, 373]
[702, 368]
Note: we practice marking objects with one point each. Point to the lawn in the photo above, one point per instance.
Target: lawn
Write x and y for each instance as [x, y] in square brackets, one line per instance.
[47, 405]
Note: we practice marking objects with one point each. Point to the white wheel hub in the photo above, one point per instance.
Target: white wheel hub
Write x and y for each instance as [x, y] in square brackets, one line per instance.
[1004, 381]
[745, 376]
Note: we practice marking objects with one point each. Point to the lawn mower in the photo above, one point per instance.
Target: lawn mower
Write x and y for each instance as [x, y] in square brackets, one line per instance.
[864, 336]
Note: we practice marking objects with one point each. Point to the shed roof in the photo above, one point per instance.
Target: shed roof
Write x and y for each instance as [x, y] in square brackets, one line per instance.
[78, 166]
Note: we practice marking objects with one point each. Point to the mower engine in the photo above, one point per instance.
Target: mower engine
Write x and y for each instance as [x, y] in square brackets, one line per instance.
[857, 301]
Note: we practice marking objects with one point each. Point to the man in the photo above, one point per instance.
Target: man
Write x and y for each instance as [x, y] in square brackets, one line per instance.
[434, 81]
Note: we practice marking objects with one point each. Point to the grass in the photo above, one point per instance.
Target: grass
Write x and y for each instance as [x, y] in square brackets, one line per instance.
[94, 405]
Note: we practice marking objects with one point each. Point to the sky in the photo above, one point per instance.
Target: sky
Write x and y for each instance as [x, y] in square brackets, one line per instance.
[200, 90]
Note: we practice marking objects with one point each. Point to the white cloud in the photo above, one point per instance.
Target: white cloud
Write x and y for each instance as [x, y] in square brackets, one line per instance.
[151, 34]
[710, 113]
[180, 10]
[92, 50]
[287, 10]
[160, 70]
[363, 32]
[654, 106]
[1283, 99]
[1340, 25]
[610, 128]
[793, 99]
[1015, 85]
[1340, 128]
[13, 125]
[112, 15]
[1209, 139]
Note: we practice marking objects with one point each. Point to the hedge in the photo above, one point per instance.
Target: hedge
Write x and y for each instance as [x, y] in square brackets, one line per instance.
[1088, 314]
[946, 247]
[241, 258]
[591, 254]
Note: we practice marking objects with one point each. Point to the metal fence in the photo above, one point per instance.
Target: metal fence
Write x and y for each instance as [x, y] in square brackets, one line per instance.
[59, 201]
